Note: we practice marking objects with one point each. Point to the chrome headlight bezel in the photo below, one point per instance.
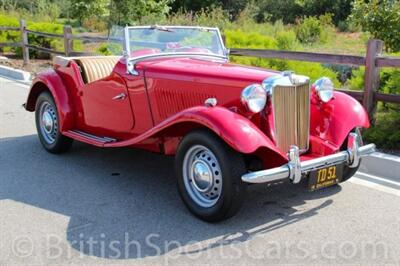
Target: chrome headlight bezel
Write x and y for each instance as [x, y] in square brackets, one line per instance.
[254, 98]
[324, 88]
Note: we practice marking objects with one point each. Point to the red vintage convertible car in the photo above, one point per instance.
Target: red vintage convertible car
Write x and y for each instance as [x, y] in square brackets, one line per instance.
[174, 92]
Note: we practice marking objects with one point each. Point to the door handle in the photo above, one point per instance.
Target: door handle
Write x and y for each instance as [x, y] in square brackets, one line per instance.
[120, 96]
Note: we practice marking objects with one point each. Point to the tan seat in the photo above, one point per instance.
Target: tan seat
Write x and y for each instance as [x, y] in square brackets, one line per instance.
[95, 68]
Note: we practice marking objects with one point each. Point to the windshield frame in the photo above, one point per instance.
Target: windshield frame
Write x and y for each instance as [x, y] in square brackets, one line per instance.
[212, 55]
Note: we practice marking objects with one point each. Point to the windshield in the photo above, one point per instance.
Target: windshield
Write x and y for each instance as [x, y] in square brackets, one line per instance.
[168, 39]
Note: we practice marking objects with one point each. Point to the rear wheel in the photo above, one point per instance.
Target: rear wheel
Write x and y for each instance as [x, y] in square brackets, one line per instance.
[47, 125]
[209, 176]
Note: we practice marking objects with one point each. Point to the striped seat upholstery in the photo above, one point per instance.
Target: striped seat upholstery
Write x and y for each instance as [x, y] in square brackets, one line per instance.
[95, 68]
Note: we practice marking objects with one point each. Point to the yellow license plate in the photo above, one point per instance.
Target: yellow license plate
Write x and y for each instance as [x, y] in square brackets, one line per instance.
[325, 177]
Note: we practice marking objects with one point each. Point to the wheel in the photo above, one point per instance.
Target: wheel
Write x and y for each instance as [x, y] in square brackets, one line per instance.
[347, 171]
[47, 125]
[208, 175]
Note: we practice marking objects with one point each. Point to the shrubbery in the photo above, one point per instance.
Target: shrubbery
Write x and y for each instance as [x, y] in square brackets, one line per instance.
[9, 36]
[240, 39]
[386, 132]
[46, 42]
[110, 49]
[286, 40]
[311, 30]
[53, 43]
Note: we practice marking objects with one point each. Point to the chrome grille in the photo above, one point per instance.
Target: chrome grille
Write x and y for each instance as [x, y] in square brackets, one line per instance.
[291, 108]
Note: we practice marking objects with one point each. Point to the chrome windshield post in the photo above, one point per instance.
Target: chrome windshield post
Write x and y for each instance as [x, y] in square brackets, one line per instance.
[130, 66]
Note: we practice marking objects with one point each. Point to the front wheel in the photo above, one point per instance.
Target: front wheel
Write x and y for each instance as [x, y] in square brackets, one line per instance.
[47, 125]
[209, 176]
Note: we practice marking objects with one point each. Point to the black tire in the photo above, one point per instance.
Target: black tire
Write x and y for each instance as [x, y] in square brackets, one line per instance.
[349, 172]
[54, 141]
[232, 166]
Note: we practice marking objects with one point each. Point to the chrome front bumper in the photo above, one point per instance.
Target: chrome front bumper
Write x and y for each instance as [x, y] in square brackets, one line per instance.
[295, 169]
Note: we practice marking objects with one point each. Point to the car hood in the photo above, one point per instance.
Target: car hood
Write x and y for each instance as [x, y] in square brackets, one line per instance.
[204, 70]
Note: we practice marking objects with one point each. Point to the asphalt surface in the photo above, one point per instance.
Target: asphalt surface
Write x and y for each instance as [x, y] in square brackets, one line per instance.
[120, 206]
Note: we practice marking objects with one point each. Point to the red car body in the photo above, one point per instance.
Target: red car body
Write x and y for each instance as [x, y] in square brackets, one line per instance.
[226, 124]
[166, 100]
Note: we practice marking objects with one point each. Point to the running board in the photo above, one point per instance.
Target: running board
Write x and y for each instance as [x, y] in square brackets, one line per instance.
[89, 138]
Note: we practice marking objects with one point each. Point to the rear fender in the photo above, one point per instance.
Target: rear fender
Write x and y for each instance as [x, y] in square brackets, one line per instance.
[237, 131]
[334, 120]
[52, 82]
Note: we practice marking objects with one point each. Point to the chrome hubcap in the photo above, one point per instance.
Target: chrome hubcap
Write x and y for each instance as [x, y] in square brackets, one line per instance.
[202, 176]
[48, 122]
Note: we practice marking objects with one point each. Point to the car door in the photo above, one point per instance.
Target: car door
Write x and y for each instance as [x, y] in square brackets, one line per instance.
[106, 107]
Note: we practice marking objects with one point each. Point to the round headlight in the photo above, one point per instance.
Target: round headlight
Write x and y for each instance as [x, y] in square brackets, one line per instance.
[254, 98]
[324, 88]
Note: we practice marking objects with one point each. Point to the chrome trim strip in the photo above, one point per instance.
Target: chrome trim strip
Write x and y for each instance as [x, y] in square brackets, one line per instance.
[93, 137]
[130, 62]
[294, 169]
[177, 54]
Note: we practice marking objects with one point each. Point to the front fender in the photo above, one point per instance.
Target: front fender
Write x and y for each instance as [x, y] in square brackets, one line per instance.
[334, 120]
[52, 82]
[237, 131]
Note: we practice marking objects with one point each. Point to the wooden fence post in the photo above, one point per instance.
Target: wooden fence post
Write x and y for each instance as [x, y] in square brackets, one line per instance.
[68, 45]
[371, 78]
[24, 41]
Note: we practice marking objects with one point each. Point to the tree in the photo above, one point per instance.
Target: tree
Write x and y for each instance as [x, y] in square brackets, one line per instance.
[290, 10]
[82, 9]
[126, 12]
[381, 18]
[193, 5]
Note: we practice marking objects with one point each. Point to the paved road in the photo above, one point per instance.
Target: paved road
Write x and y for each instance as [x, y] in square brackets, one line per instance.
[120, 206]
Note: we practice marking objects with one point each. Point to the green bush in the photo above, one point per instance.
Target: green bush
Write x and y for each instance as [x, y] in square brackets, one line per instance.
[9, 36]
[386, 132]
[389, 81]
[312, 70]
[95, 23]
[240, 39]
[310, 30]
[110, 49]
[348, 26]
[286, 40]
[46, 42]
[40, 41]
[326, 19]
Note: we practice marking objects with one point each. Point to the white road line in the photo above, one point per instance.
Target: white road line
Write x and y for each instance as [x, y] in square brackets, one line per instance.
[4, 80]
[386, 180]
[377, 183]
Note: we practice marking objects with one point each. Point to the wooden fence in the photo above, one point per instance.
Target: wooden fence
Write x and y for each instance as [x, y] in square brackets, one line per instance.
[67, 36]
[373, 60]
